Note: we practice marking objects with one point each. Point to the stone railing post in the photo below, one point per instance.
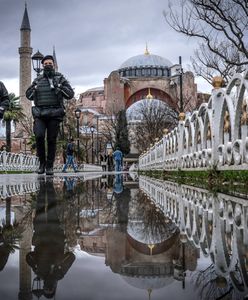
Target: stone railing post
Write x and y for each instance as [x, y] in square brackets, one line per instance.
[217, 105]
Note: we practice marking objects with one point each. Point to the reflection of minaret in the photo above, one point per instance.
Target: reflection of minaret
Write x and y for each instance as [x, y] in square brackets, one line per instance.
[25, 292]
[55, 60]
[25, 52]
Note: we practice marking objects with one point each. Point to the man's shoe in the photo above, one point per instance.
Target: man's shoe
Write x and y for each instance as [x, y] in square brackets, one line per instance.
[49, 171]
[41, 169]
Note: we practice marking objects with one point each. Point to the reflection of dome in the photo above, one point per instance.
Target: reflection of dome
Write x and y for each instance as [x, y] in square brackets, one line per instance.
[136, 229]
[146, 60]
[148, 282]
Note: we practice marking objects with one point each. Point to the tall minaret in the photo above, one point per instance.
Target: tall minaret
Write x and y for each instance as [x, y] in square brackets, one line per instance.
[25, 52]
[55, 60]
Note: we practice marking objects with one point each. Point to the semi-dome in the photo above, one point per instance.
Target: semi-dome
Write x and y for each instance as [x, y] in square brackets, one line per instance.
[146, 60]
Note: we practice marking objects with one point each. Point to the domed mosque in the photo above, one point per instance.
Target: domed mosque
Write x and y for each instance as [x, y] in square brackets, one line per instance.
[139, 77]
[133, 79]
[146, 65]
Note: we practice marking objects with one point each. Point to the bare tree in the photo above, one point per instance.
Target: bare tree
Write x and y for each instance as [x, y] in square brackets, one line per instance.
[153, 117]
[221, 26]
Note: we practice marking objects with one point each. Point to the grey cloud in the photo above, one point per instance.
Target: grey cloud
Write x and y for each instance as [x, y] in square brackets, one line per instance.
[91, 37]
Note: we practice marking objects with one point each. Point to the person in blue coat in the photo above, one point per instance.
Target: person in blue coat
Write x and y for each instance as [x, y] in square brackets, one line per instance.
[118, 157]
[70, 158]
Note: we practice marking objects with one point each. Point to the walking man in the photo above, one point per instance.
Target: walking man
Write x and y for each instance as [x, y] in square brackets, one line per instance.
[4, 99]
[70, 158]
[48, 92]
[117, 155]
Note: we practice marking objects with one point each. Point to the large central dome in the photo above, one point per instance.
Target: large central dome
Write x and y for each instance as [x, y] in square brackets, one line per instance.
[146, 60]
[145, 65]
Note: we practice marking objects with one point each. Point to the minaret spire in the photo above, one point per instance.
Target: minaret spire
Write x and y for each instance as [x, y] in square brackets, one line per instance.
[25, 21]
[25, 52]
[55, 60]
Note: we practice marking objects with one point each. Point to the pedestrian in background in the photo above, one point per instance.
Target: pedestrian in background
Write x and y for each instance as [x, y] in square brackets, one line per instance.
[118, 156]
[48, 92]
[70, 156]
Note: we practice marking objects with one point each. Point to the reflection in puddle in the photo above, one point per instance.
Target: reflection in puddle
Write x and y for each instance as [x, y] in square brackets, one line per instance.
[159, 238]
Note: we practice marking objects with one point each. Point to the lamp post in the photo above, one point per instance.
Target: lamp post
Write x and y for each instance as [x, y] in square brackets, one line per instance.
[77, 115]
[92, 143]
[108, 150]
[97, 129]
[36, 62]
[181, 85]
[78, 228]
[25, 146]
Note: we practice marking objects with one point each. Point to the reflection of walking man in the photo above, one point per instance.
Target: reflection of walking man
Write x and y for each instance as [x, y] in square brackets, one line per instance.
[49, 259]
[117, 155]
[70, 158]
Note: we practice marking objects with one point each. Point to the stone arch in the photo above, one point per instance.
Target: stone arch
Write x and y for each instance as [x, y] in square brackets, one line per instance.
[225, 125]
[156, 93]
[241, 113]
[207, 131]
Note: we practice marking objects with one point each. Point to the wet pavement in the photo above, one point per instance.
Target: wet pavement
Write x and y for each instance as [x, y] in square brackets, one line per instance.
[117, 236]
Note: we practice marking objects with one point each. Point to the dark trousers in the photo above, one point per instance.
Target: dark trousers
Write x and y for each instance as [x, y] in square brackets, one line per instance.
[46, 128]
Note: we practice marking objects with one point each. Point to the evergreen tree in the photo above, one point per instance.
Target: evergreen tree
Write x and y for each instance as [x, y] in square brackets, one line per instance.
[15, 114]
[121, 138]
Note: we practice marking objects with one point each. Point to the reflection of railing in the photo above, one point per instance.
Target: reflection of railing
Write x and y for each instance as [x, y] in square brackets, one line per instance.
[10, 187]
[18, 162]
[215, 135]
[218, 224]
[81, 168]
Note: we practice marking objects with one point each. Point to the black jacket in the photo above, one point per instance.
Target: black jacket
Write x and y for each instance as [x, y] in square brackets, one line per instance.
[62, 88]
[4, 97]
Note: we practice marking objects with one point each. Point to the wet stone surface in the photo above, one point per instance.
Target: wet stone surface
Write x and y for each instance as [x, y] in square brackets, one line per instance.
[104, 236]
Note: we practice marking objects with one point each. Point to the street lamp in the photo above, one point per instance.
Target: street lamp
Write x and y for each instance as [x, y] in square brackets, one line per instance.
[36, 62]
[97, 129]
[181, 84]
[77, 115]
[92, 143]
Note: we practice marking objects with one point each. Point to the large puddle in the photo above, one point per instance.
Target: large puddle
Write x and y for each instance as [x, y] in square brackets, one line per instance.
[119, 237]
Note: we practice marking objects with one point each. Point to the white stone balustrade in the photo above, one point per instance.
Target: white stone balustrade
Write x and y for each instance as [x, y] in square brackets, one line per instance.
[216, 135]
[29, 163]
[216, 224]
[18, 162]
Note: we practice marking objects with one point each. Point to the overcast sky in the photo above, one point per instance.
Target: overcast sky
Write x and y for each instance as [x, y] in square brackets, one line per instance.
[91, 37]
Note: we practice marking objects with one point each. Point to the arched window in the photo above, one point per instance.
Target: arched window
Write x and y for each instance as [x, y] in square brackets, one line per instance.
[159, 72]
[138, 72]
[154, 72]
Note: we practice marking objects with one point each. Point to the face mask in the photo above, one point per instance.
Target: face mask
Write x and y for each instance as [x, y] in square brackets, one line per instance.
[48, 68]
